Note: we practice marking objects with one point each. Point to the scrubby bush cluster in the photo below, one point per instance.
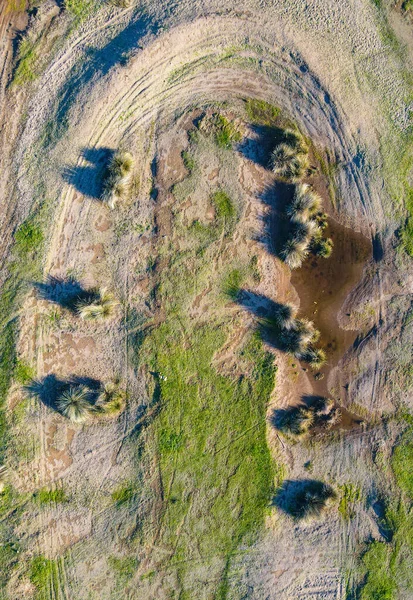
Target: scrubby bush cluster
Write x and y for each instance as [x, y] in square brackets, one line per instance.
[119, 178]
[298, 421]
[296, 336]
[289, 159]
[79, 404]
[100, 304]
[308, 499]
[307, 222]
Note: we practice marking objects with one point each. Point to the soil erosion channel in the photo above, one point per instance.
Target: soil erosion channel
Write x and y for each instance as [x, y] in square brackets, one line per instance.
[323, 285]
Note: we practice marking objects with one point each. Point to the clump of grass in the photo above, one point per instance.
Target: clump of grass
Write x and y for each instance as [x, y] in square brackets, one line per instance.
[80, 9]
[111, 400]
[74, 404]
[296, 421]
[306, 225]
[305, 204]
[98, 306]
[28, 237]
[45, 496]
[284, 316]
[310, 499]
[224, 207]
[289, 158]
[188, 160]
[23, 372]
[294, 253]
[315, 357]
[261, 112]
[225, 132]
[232, 283]
[118, 181]
[322, 247]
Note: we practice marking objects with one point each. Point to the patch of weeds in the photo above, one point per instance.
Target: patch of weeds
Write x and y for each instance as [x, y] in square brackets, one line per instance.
[44, 574]
[232, 283]
[124, 568]
[225, 132]
[205, 234]
[260, 112]
[26, 65]
[224, 206]
[255, 272]
[45, 496]
[124, 494]
[379, 583]
[23, 372]
[350, 494]
[80, 9]
[28, 237]
[170, 441]
[188, 160]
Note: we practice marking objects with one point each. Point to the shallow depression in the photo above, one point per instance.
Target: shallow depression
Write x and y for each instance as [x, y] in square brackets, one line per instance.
[323, 285]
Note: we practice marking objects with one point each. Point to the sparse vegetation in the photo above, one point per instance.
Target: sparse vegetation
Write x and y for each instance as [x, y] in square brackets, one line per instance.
[100, 305]
[45, 496]
[44, 574]
[225, 132]
[28, 237]
[23, 372]
[260, 112]
[124, 493]
[26, 64]
[119, 178]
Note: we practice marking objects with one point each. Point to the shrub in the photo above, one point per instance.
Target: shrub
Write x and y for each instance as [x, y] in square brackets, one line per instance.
[296, 421]
[117, 184]
[75, 405]
[303, 231]
[322, 247]
[289, 159]
[294, 253]
[315, 357]
[305, 202]
[111, 399]
[101, 306]
[321, 218]
[310, 499]
[284, 316]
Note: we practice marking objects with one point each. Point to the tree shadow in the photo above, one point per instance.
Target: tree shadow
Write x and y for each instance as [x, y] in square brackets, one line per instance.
[89, 180]
[302, 498]
[66, 292]
[49, 389]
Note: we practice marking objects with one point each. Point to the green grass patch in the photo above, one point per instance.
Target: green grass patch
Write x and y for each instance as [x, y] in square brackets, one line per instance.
[28, 237]
[80, 9]
[215, 464]
[188, 160]
[260, 112]
[224, 207]
[350, 495]
[23, 372]
[45, 496]
[124, 494]
[123, 567]
[232, 283]
[27, 59]
[379, 584]
[402, 464]
[44, 574]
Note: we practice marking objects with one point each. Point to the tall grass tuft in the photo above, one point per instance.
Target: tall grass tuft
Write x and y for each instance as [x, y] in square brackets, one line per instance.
[310, 500]
[75, 405]
[294, 253]
[305, 203]
[101, 306]
[119, 178]
[289, 159]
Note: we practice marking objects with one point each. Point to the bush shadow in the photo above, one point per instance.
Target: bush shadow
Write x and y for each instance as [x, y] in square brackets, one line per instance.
[89, 180]
[65, 292]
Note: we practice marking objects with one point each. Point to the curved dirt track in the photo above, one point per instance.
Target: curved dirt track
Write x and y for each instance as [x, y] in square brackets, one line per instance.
[176, 61]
